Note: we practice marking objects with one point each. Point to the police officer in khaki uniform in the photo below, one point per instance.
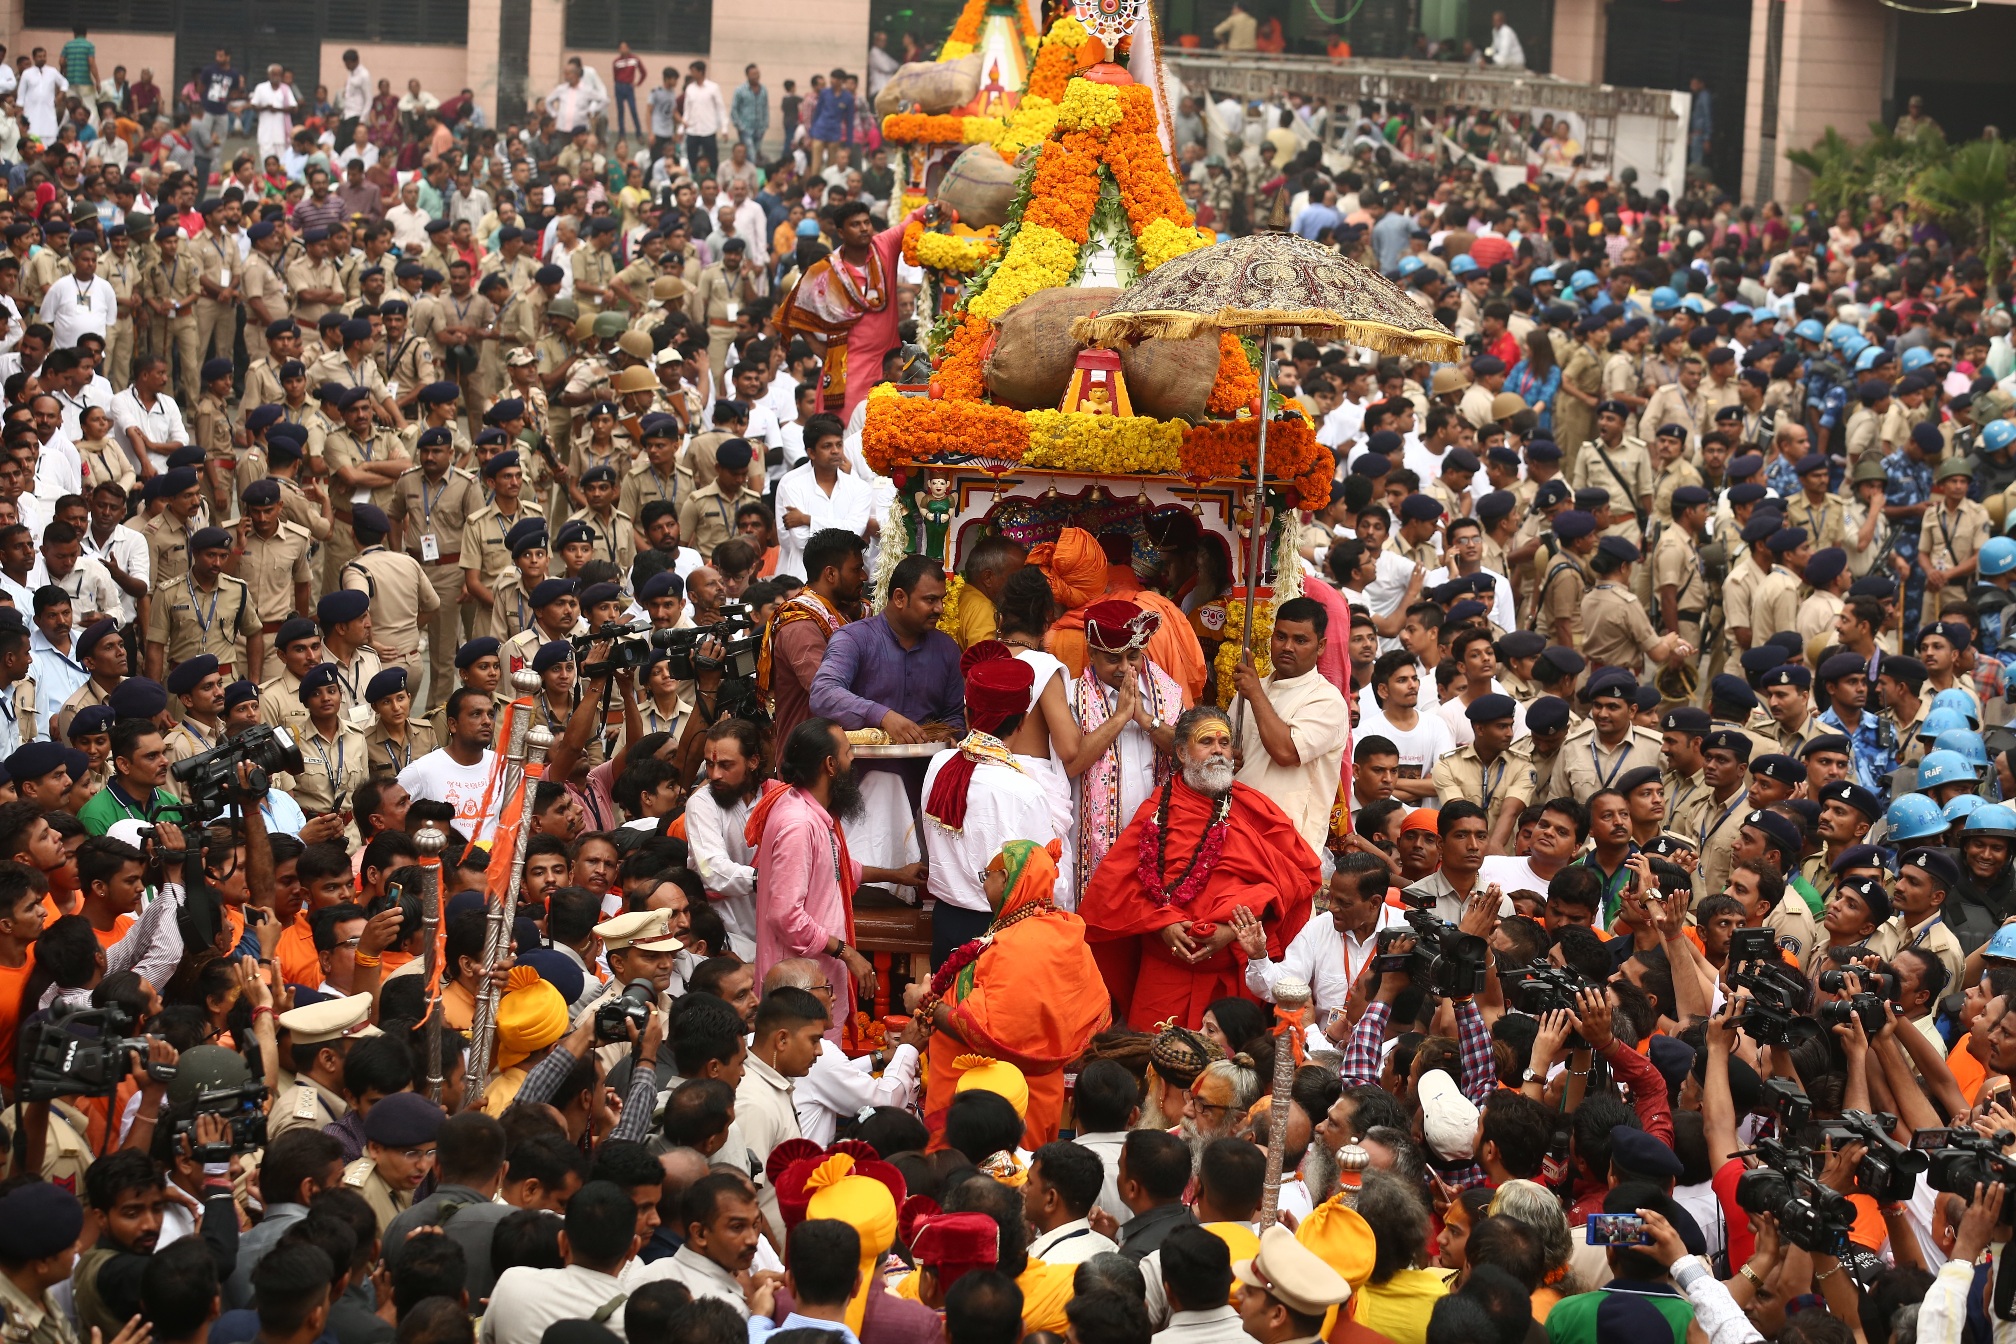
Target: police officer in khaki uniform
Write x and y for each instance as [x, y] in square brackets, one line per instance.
[409, 357]
[594, 268]
[1774, 602]
[401, 594]
[1684, 776]
[1616, 632]
[1726, 754]
[122, 270]
[511, 604]
[1597, 753]
[332, 751]
[101, 651]
[171, 290]
[1788, 701]
[267, 298]
[275, 564]
[484, 549]
[204, 611]
[392, 708]
[1489, 771]
[314, 278]
[1823, 515]
[223, 278]
[216, 433]
[262, 376]
[316, 1098]
[399, 1142]
[615, 530]
[308, 512]
[1678, 585]
[654, 476]
[431, 507]
[1950, 537]
[200, 688]
[1627, 472]
[365, 461]
[556, 615]
[436, 408]
[1557, 605]
[298, 642]
[707, 517]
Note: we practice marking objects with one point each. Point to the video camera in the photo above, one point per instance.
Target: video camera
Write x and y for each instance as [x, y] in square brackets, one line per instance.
[1865, 1004]
[1889, 1171]
[1445, 960]
[1779, 995]
[81, 1052]
[633, 1006]
[1811, 1216]
[243, 1106]
[1961, 1159]
[1543, 987]
[632, 647]
[211, 777]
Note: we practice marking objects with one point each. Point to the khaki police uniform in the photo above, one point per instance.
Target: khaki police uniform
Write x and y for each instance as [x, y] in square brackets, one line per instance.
[387, 758]
[307, 1103]
[1774, 604]
[593, 266]
[214, 433]
[615, 536]
[123, 273]
[645, 483]
[188, 738]
[265, 283]
[218, 261]
[1686, 796]
[482, 545]
[409, 366]
[511, 611]
[362, 1176]
[1947, 539]
[353, 678]
[1587, 765]
[434, 516]
[1825, 521]
[402, 596]
[1677, 561]
[84, 697]
[1627, 475]
[186, 621]
[1559, 596]
[332, 766]
[1505, 782]
[1616, 632]
[707, 518]
[1715, 838]
[280, 703]
[342, 449]
[304, 272]
[277, 568]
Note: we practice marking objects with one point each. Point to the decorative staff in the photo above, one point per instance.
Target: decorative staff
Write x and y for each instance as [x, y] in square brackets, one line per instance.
[1291, 996]
[524, 758]
[430, 840]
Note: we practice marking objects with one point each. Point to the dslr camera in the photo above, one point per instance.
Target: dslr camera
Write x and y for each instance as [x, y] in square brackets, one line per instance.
[1865, 1004]
[243, 1107]
[633, 1006]
[1445, 960]
[1810, 1215]
[81, 1052]
[1889, 1171]
[1543, 987]
[212, 776]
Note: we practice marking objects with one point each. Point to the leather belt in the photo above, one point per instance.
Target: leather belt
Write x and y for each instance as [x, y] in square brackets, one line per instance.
[453, 557]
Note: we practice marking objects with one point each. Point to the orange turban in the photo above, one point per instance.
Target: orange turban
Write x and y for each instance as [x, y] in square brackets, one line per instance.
[1075, 564]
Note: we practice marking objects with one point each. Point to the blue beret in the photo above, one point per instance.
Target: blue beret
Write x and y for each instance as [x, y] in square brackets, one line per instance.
[263, 229]
[658, 585]
[558, 651]
[1611, 682]
[33, 760]
[1485, 366]
[318, 676]
[571, 532]
[1733, 740]
[352, 396]
[1591, 498]
[1673, 431]
[1762, 527]
[388, 682]
[87, 642]
[1495, 504]
[1779, 766]
[403, 1120]
[1547, 714]
[599, 592]
[369, 518]
[1825, 565]
[602, 474]
[263, 417]
[240, 692]
[1786, 540]
[38, 1220]
[1470, 609]
[734, 454]
[556, 969]
[278, 327]
[486, 646]
[440, 394]
[282, 448]
[1460, 459]
[1851, 794]
[1384, 441]
[552, 590]
[1686, 719]
[316, 234]
[549, 275]
[527, 534]
[1613, 407]
[438, 434]
[1936, 863]
[436, 226]
[1747, 492]
[358, 328]
[138, 698]
[213, 369]
[1573, 524]
[330, 392]
[1371, 464]
[293, 630]
[1812, 462]
[189, 455]
[492, 435]
[209, 539]
[1564, 661]
[1842, 665]
[96, 719]
[1420, 508]
[497, 463]
[658, 425]
[507, 408]
[1691, 496]
[345, 604]
[1486, 708]
[186, 676]
[391, 307]
[1618, 549]
[1543, 450]
[1755, 662]
[1637, 1152]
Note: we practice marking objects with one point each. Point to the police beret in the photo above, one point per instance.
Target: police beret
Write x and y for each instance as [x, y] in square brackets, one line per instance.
[318, 676]
[278, 327]
[1543, 450]
[263, 417]
[602, 474]
[186, 676]
[1673, 431]
[1634, 1151]
[1469, 609]
[1460, 459]
[1745, 464]
[602, 408]
[1731, 740]
[210, 539]
[1952, 632]
[1551, 493]
[213, 369]
[388, 682]
[1591, 323]
[440, 394]
[1495, 504]
[403, 1120]
[1667, 845]
[1721, 354]
[336, 317]
[552, 590]
[1825, 565]
[1929, 440]
[573, 532]
[316, 234]
[527, 534]
[486, 438]
[1561, 660]
[330, 392]
[599, 592]
[1834, 742]
[1486, 366]
[95, 719]
[1778, 829]
[1573, 525]
[1746, 492]
[549, 275]
[389, 308]
[406, 270]
[437, 226]
[1420, 508]
[1613, 407]
[1686, 719]
[499, 461]
[1867, 889]
[1490, 707]
[558, 651]
[1638, 778]
[1779, 766]
[434, 437]
[263, 229]
[1854, 795]
[1618, 549]
[352, 396]
[240, 692]
[1611, 682]
[261, 493]
[658, 425]
[1547, 714]
[294, 630]
[1812, 462]
[345, 604]
[485, 646]
[1691, 496]
[734, 454]
[359, 328]
[1860, 856]
[1502, 456]
[138, 698]
[38, 1220]
[1647, 699]
[1869, 393]
[1762, 527]
[33, 760]
[187, 456]
[1591, 498]
[505, 408]
[1935, 863]
[1372, 464]
[87, 642]
[658, 585]
[369, 518]
[1843, 665]
[1786, 540]
[293, 433]
[1788, 674]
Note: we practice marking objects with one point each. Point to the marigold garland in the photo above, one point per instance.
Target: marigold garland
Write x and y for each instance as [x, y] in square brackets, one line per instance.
[1164, 240]
[910, 429]
[1056, 60]
[948, 617]
[960, 253]
[965, 30]
[1237, 385]
[961, 374]
[1104, 445]
[1225, 450]
[1088, 106]
[1038, 258]
[1226, 664]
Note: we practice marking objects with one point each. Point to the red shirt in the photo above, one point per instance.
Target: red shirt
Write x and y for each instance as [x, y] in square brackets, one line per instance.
[627, 70]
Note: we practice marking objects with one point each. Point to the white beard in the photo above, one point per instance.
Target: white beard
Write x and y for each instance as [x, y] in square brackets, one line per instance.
[1212, 777]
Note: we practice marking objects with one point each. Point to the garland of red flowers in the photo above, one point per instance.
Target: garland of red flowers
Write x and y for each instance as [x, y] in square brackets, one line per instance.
[1210, 846]
[966, 954]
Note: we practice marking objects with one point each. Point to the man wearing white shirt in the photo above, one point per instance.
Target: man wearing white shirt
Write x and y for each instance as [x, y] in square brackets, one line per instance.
[85, 580]
[1328, 954]
[819, 495]
[838, 1087]
[716, 847]
[52, 648]
[1063, 1186]
[1506, 50]
[356, 87]
[145, 418]
[1421, 738]
[598, 1246]
[40, 88]
[706, 116]
[82, 303]
[58, 469]
[276, 102]
[120, 549]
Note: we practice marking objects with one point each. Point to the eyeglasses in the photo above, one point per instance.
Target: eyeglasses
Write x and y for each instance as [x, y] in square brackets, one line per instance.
[351, 942]
[980, 876]
[418, 1154]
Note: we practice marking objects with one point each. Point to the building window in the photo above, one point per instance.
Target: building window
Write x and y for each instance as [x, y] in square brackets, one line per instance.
[132, 16]
[444, 22]
[681, 26]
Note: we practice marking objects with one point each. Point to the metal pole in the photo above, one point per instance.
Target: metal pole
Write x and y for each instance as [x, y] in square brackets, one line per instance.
[1291, 996]
[430, 840]
[1258, 548]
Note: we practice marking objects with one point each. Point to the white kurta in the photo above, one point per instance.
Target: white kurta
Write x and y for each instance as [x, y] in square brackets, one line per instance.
[1137, 758]
[849, 506]
[717, 849]
[1319, 723]
[1002, 804]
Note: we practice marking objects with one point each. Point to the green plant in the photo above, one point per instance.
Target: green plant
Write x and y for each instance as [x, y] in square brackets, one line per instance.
[1970, 193]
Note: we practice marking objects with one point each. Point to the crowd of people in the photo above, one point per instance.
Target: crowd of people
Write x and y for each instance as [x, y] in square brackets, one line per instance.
[1621, 784]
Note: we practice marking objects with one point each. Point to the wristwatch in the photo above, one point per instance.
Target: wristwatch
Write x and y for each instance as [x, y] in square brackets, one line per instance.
[1531, 1077]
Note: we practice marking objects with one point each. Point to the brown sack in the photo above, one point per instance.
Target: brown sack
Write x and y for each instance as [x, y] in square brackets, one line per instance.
[931, 87]
[1030, 365]
[979, 186]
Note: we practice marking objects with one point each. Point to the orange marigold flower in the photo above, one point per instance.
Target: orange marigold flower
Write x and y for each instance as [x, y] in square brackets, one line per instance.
[1237, 385]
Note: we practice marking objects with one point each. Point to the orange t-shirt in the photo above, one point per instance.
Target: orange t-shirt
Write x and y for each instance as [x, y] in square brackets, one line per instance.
[1968, 1071]
[299, 964]
[13, 979]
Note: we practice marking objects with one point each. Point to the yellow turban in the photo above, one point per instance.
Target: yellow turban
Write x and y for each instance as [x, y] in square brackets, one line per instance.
[1341, 1239]
[530, 1016]
[1242, 1241]
[983, 1074]
[864, 1204]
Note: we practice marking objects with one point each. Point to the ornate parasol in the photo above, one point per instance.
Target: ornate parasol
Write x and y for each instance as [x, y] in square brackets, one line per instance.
[1259, 285]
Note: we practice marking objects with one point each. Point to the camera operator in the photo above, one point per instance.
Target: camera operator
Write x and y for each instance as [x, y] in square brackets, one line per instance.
[638, 946]
[580, 749]
[640, 1056]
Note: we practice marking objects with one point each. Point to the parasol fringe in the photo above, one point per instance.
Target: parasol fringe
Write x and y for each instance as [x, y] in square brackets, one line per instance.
[1431, 344]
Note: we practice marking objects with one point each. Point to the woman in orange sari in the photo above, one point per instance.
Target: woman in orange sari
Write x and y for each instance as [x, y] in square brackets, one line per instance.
[1016, 994]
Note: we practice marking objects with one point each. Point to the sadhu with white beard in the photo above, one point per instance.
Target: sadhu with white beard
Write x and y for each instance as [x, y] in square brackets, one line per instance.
[1158, 910]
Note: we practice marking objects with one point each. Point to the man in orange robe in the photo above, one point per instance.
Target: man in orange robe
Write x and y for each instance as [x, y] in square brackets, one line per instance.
[1161, 925]
[1103, 568]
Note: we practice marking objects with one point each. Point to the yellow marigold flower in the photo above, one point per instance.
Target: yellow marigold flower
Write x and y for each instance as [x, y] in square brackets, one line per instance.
[982, 130]
[1039, 258]
[1164, 240]
[953, 51]
[1104, 445]
[1089, 106]
[1068, 32]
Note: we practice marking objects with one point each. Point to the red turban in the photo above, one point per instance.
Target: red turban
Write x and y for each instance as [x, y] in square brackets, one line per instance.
[984, 651]
[955, 1244]
[997, 689]
[1117, 626]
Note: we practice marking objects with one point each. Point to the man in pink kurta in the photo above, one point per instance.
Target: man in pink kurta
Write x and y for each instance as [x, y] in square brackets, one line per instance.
[801, 902]
[848, 301]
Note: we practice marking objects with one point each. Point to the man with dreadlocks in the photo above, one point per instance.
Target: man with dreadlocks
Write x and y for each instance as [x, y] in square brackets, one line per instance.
[1158, 910]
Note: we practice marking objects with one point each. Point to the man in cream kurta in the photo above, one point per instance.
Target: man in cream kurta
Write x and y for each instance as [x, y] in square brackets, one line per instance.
[1298, 707]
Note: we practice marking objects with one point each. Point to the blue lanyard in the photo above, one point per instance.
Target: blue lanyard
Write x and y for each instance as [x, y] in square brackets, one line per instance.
[335, 776]
[426, 505]
[1491, 784]
[1596, 758]
[1702, 840]
[203, 622]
